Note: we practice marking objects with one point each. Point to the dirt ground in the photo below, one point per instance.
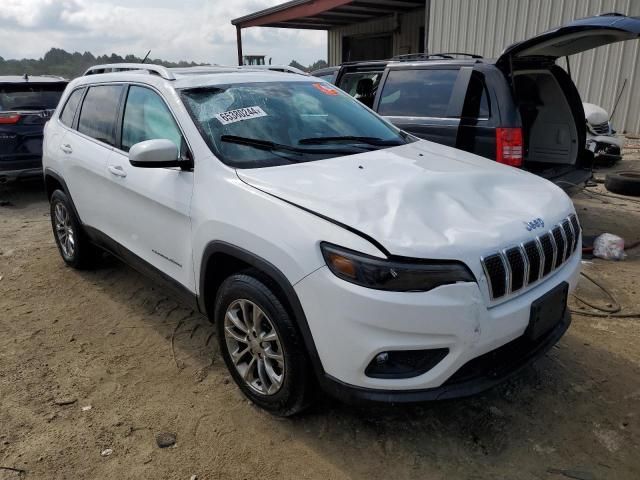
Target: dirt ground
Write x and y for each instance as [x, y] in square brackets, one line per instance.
[111, 340]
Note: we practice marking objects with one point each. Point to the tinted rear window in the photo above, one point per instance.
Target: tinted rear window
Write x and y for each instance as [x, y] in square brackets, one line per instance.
[71, 106]
[98, 113]
[477, 104]
[417, 93]
[24, 96]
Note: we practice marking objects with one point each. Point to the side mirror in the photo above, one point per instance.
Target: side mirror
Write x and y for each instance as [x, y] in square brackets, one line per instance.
[158, 153]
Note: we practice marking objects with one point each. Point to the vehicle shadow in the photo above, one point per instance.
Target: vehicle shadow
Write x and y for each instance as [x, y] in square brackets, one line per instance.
[566, 413]
[22, 194]
[574, 411]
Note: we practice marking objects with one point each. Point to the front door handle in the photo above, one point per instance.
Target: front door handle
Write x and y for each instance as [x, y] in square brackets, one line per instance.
[117, 170]
[66, 148]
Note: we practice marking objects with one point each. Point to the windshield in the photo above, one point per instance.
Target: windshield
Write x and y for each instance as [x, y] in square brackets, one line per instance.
[276, 123]
[24, 96]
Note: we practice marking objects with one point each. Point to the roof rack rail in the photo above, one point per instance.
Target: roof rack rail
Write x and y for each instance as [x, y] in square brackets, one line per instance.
[428, 56]
[461, 54]
[159, 70]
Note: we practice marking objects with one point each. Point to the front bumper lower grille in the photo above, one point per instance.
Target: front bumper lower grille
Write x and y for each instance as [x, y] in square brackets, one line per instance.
[514, 268]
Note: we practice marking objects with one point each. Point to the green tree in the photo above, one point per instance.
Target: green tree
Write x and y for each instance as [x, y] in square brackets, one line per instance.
[69, 65]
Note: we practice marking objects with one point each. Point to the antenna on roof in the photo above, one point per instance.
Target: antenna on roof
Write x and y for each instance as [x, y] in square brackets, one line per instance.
[146, 56]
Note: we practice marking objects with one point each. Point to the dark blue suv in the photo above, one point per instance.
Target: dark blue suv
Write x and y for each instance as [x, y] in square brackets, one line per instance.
[26, 103]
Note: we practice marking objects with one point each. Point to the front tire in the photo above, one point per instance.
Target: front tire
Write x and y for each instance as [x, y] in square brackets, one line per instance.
[261, 346]
[75, 249]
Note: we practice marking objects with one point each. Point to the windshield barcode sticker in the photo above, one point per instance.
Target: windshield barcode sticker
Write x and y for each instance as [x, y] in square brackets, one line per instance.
[240, 114]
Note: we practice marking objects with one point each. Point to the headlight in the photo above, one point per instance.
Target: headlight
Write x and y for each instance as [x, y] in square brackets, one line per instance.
[398, 275]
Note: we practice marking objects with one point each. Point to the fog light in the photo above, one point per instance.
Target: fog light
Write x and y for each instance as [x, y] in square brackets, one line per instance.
[404, 363]
[382, 358]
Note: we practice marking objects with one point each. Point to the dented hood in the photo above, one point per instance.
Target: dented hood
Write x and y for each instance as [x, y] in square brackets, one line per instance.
[420, 200]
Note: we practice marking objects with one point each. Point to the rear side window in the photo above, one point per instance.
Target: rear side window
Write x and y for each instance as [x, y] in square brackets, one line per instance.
[99, 111]
[69, 110]
[417, 93]
[147, 117]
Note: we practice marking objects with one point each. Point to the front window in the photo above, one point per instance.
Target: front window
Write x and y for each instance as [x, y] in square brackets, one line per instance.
[276, 123]
[147, 117]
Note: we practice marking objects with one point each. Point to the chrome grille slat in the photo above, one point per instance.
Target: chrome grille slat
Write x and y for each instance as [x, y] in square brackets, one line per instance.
[542, 259]
[525, 259]
[562, 250]
[571, 239]
[554, 247]
[515, 268]
[507, 269]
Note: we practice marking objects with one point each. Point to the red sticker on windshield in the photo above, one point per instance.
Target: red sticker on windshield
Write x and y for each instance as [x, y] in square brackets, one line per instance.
[325, 89]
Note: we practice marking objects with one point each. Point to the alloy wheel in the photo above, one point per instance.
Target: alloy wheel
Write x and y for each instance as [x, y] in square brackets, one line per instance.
[254, 347]
[64, 230]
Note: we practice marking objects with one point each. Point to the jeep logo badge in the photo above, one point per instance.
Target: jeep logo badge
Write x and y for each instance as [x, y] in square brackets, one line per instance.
[533, 224]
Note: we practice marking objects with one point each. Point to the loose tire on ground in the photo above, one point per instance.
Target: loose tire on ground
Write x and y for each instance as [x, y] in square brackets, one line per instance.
[623, 183]
[293, 393]
[75, 248]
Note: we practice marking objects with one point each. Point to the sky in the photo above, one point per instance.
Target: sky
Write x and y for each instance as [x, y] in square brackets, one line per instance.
[194, 30]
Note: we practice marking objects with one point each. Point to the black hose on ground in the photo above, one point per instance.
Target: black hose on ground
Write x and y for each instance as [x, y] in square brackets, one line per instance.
[603, 312]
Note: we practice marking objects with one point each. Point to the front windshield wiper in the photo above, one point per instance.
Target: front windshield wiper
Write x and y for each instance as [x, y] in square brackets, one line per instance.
[378, 142]
[272, 146]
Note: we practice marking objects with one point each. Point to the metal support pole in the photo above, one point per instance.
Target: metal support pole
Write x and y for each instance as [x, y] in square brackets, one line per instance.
[239, 41]
[427, 18]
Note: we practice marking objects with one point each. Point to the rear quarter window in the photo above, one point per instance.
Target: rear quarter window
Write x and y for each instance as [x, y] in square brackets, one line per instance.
[69, 110]
[99, 111]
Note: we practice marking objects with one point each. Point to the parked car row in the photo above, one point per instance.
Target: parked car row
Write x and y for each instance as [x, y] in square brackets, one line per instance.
[520, 109]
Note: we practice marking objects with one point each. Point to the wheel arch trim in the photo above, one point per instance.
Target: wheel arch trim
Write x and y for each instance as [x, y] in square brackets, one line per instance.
[48, 172]
[266, 267]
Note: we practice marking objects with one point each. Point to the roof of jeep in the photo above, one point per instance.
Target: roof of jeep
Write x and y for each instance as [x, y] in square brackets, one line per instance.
[196, 77]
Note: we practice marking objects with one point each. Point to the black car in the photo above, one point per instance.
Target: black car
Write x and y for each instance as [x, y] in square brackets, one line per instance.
[26, 103]
[520, 109]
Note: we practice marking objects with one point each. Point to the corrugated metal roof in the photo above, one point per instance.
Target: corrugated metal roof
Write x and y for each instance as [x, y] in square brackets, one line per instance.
[324, 14]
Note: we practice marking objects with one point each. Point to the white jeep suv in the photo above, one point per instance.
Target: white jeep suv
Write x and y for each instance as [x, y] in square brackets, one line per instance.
[329, 247]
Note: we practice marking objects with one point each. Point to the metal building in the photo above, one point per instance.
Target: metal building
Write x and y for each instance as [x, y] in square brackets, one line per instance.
[373, 29]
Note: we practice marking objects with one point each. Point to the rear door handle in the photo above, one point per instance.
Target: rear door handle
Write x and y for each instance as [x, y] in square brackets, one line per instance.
[117, 170]
[66, 148]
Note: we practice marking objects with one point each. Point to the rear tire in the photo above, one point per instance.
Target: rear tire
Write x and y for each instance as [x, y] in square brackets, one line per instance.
[623, 183]
[75, 248]
[261, 346]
